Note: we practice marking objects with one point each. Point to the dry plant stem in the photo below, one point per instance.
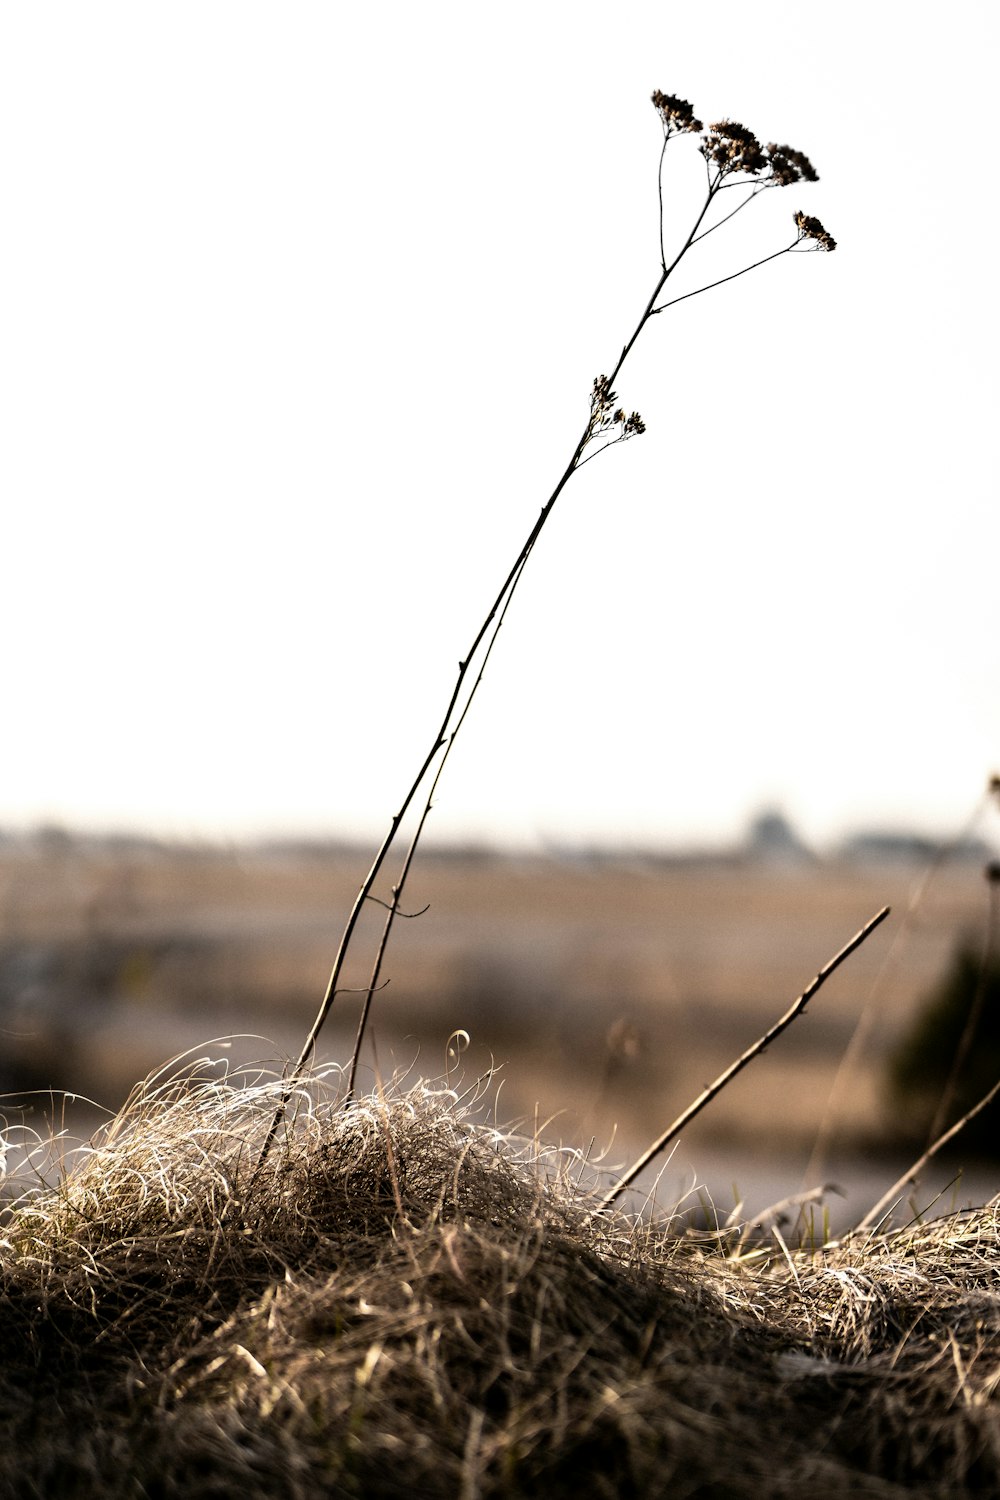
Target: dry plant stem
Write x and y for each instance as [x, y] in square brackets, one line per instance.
[760, 1045]
[884, 1202]
[726, 217]
[364, 892]
[441, 738]
[972, 1020]
[736, 150]
[397, 890]
[723, 279]
[499, 610]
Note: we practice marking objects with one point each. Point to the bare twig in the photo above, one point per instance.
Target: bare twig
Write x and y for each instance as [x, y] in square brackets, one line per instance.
[392, 906]
[439, 742]
[408, 916]
[659, 186]
[731, 215]
[723, 279]
[918, 1166]
[760, 1045]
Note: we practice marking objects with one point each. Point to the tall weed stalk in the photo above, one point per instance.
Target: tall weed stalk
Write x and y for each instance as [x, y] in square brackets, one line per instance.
[738, 169]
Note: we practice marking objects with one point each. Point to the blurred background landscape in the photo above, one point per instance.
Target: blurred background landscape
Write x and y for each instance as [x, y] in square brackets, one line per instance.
[286, 385]
[604, 988]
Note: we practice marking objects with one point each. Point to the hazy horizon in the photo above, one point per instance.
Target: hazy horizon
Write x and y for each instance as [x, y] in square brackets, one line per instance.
[980, 829]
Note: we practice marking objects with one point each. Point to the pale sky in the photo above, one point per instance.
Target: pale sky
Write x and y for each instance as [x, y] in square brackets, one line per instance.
[302, 306]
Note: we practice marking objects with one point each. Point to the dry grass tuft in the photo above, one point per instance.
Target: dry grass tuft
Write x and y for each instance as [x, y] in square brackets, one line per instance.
[408, 1302]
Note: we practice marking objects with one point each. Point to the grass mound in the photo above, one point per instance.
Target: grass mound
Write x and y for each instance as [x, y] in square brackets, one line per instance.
[407, 1302]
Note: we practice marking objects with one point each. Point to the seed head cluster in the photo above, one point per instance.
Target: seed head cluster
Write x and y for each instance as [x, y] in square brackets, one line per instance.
[788, 166]
[811, 229]
[605, 416]
[733, 148]
[676, 114]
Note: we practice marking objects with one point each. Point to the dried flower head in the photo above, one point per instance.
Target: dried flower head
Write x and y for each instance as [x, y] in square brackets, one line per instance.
[812, 229]
[733, 148]
[601, 396]
[675, 114]
[605, 416]
[788, 166]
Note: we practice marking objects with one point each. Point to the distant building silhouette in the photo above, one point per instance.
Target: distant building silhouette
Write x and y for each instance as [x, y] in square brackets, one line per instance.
[771, 838]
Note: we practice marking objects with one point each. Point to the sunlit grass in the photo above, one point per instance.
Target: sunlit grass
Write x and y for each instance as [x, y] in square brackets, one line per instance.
[409, 1300]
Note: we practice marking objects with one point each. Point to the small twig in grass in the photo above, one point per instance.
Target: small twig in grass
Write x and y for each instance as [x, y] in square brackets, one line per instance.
[760, 1045]
[918, 1166]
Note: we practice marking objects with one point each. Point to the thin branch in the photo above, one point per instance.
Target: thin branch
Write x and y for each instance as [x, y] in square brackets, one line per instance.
[918, 1166]
[391, 909]
[408, 916]
[659, 184]
[597, 452]
[758, 188]
[397, 890]
[760, 1045]
[723, 279]
[440, 740]
[649, 309]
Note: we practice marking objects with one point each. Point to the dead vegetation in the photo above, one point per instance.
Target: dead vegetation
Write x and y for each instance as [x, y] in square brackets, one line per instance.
[281, 1289]
[409, 1301]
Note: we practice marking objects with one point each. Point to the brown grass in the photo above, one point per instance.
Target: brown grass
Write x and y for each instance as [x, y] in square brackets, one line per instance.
[410, 1302]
